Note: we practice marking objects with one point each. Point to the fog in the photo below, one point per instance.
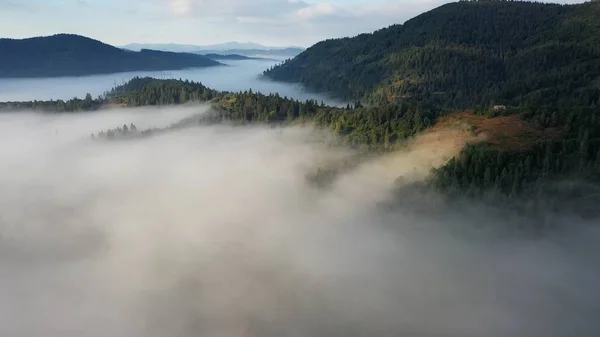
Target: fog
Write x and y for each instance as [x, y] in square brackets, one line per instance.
[237, 76]
[214, 231]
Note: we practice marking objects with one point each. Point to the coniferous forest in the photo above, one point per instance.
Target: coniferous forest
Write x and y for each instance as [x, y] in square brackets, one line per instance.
[526, 74]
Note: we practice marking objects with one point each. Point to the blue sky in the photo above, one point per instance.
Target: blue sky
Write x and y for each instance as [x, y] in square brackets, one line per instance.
[271, 22]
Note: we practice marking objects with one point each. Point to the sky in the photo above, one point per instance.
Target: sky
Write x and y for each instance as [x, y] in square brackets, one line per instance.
[202, 22]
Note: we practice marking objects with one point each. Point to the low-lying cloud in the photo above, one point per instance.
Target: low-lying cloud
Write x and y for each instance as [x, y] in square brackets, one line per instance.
[214, 231]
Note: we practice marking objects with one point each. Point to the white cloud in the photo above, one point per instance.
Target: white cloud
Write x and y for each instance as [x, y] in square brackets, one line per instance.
[234, 8]
[287, 22]
[319, 9]
[272, 22]
[180, 7]
[308, 23]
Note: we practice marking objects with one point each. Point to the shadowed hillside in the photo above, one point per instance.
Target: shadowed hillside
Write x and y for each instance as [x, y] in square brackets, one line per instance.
[73, 55]
[462, 54]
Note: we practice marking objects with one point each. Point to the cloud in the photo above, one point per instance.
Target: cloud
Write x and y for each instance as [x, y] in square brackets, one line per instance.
[305, 22]
[272, 22]
[319, 9]
[234, 8]
[11, 5]
[215, 231]
[181, 7]
[291, 11]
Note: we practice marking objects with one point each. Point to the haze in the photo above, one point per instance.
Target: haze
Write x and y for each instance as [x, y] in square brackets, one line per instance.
[237, 76]
[270, 22]
[214, 231]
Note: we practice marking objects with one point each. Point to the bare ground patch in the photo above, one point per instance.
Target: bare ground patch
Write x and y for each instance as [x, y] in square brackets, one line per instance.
[504, 132]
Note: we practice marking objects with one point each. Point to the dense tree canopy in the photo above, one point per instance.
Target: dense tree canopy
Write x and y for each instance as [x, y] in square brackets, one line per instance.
[72, 105]
[538, 61]
[461, 54]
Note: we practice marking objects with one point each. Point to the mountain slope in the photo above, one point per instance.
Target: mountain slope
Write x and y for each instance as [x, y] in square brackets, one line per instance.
[461, 54]
[524, 76]
[73, 55]
[509, 155]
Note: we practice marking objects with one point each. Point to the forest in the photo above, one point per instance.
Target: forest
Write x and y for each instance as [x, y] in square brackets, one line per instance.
[526, 74]
[537, 62]
[357, 125]
[574, 150]
[462, 54]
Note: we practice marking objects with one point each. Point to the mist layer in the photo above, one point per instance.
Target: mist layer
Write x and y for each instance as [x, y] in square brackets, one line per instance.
[214, 231]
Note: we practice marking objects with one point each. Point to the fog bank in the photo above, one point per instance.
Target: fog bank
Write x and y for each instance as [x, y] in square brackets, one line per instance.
[214, 231]
[237, 76]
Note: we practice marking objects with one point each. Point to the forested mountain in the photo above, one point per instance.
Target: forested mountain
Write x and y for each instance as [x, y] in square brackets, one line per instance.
[73, 55]
[462, 54]
[524, 148]
[525, 75]
[524, 78]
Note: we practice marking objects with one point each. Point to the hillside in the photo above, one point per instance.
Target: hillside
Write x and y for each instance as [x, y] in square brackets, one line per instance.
[462, 54]
[73, 55]
[523, 76]
[519, 80]
[511, 153]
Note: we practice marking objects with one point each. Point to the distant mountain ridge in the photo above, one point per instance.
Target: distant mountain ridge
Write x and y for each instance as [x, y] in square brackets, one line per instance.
[194, 48]
[257, 53]
[249, 49]
[75, 55]
[231, 57]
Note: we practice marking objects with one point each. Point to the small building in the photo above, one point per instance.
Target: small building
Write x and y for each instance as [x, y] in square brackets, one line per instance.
[499, 108]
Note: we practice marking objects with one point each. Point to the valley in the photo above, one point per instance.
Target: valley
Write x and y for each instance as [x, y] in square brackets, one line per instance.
[437, 177]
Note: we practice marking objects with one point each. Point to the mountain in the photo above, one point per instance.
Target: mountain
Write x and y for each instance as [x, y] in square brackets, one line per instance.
[523, 78]
[513, 87]
[233, 45]
[237, 45]
[172, 47]
[279, 54]
[249, 49]
[74, 55]
[230, 57]
[461, 54]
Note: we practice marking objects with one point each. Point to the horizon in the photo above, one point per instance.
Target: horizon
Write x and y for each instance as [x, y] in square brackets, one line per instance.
[257, 45]
[272, 23]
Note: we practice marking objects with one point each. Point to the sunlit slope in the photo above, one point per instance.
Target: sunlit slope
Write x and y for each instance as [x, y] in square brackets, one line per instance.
[524, 145]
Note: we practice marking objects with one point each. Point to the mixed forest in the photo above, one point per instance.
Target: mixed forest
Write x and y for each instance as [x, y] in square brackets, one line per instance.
[526, 74]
